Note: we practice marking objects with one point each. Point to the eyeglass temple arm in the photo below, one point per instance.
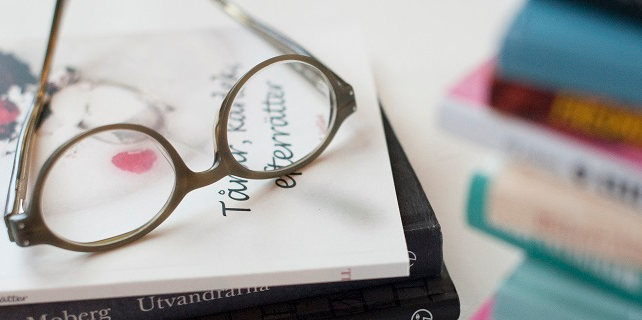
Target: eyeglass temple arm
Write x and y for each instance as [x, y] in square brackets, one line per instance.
[273, 37]
[276, 39]
[18, 186]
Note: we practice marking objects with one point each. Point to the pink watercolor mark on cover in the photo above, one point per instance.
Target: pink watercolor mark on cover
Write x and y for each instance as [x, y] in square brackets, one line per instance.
[475, 89]
[9, 112]
[138, 161]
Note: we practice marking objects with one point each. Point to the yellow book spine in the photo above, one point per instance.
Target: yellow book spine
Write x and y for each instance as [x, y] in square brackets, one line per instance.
[596, 118]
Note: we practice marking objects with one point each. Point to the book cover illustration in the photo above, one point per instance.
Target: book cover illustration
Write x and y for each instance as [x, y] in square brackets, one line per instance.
[234, 233]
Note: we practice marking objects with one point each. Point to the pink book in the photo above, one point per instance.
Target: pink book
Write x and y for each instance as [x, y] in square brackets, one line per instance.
[608, 168]
[485, 312]
[475, 88]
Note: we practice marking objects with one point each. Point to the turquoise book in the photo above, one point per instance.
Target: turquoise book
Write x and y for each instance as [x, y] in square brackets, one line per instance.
[536, 290]
[575, 45]
[618, 278]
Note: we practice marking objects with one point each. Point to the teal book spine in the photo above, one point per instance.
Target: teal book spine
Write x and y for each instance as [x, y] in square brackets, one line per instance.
[575, 45]
[621, 280]
[537, 290]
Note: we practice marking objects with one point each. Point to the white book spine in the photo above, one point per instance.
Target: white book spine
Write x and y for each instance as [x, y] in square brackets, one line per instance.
[546, 149]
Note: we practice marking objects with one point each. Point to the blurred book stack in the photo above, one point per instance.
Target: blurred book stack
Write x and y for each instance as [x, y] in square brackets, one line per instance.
[561, 103]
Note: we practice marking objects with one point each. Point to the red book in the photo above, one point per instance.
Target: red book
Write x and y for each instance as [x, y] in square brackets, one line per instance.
[586, 116]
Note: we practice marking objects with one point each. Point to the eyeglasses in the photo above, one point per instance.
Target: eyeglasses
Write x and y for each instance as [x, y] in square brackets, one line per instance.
[68, 208]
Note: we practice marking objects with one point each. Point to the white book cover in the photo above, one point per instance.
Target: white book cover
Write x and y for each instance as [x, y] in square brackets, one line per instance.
[339, 222]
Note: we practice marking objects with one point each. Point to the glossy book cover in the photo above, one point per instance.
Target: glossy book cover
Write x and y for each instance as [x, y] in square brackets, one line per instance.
[336, 220]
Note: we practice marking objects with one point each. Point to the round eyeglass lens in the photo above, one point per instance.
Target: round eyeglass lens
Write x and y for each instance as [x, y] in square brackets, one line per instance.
[106, 184]
[282, 114]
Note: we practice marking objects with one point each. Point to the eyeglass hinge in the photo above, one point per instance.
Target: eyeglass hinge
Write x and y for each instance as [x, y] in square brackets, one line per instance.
[14, 211]
[346, 103]
[18, 231]
[9, 231]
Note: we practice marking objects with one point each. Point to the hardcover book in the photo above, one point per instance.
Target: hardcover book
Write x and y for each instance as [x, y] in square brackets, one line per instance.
[602, 167]
[575, 46]
[587, 116]
[553, 237]
[537, 290]
[337, 220]
[522, 199]
[423, 299]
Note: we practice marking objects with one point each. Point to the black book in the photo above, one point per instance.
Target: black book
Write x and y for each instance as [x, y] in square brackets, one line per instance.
[421, 228]
[423, 238]
[414, 299]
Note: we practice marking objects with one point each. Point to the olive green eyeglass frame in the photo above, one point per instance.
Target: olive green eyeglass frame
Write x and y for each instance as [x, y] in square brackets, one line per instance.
[26, 225]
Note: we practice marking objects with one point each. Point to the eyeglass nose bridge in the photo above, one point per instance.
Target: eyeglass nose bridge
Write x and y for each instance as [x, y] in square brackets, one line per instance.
[188, 180]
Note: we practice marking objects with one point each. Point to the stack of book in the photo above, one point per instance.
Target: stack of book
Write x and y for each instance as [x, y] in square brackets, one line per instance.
[355, 239]
[561, 104]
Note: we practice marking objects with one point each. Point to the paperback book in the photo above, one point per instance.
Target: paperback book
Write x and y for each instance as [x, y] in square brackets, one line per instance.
[317, 225]
[563, 237]
[537, 290]
[485, 312]
[574, 45]
[524, 200]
